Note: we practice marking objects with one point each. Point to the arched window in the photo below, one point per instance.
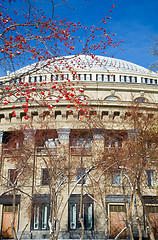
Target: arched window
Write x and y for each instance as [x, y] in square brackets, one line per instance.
[51, 98]
[22, 99]
[112, 98]
[141, 100]
[83, 97]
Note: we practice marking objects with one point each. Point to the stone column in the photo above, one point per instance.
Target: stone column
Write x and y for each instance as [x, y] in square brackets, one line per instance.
[98, 143]
[1, 148]
[29, 137]
[1, 138]
[1, 206]
[63, 153]
[63, 135]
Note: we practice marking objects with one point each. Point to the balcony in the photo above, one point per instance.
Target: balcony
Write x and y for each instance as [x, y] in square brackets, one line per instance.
[46, 150]
[11, 152]
[81, 151]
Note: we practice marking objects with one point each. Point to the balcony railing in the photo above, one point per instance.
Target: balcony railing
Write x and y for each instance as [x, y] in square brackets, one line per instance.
[47, 151]
[12, 151]
[76, 150]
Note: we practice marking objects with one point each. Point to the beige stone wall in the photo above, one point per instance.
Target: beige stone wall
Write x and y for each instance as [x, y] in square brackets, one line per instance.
[96, 92]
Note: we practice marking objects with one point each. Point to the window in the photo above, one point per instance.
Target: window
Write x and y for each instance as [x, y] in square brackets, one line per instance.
[87, 212]
[116, 179]
[152, 208]
[80, 172]
[40, 216]
[81, 146]
[73, 216]
[112, 98]
[150, 178]
[12, 176]
[141, 100]
[117, 208]
[82, 98]
[82, 142]
[45, 176]
[113, 142]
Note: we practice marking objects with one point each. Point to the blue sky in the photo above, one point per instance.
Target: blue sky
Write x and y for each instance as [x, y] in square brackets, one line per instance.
[134, 21]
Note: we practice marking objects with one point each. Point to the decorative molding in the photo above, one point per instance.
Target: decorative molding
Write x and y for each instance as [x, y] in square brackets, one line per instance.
[113, 92]
[117, 199]
[142, 93]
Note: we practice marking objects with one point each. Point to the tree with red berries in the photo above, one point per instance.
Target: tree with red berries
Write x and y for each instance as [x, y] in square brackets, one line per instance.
[31, 36]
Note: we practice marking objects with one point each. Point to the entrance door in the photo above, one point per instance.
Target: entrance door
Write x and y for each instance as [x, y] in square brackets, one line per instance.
[154, 221]
[117, 221]
[6, 221]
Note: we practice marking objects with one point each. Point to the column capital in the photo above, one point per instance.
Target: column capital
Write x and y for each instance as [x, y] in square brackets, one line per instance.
[29, 134]
[63, 133]
[132, 134]
[98, 134]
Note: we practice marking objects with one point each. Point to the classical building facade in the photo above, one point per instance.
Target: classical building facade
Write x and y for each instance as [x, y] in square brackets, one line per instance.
[61, 141]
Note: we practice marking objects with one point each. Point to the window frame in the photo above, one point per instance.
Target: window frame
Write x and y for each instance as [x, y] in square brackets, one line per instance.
[37, 216]
[117, 182]
[45, 177]
[11, 178]
[151, 178]
[79, 173]
[87, 202]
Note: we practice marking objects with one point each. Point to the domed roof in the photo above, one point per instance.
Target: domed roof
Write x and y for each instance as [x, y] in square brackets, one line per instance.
[111, 64]
[85, 62]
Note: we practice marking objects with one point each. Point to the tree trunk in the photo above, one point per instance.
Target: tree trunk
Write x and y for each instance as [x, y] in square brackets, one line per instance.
[138, 221]
[106, 226]
[81, 203]
[14, 212]
[128, 216]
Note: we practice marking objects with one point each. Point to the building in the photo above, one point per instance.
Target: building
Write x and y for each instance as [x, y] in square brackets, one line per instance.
[69, 135]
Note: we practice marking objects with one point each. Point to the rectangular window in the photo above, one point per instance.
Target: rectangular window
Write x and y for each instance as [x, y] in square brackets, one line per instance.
[117, 208]
[44, 216]
[73, 216]
[152, 209]
[12, 176]
[87, 212]
[45, 176]
[89, 216]
[36, 217]
[40, 216]
[80, 172]
[116, 179]
[112, 143]
[40, 78]
[150, 178]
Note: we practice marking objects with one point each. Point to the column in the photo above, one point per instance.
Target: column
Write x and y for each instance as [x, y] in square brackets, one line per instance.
[63, 155]
[29, 137]
[63, 135]
[1, 138]
[98, 143]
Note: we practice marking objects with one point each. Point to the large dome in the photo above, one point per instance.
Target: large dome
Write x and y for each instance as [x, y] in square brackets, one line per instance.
[87, 62]
[108, 63]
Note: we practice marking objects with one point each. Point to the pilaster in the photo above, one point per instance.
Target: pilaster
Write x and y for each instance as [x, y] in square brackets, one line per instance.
[98, 141]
